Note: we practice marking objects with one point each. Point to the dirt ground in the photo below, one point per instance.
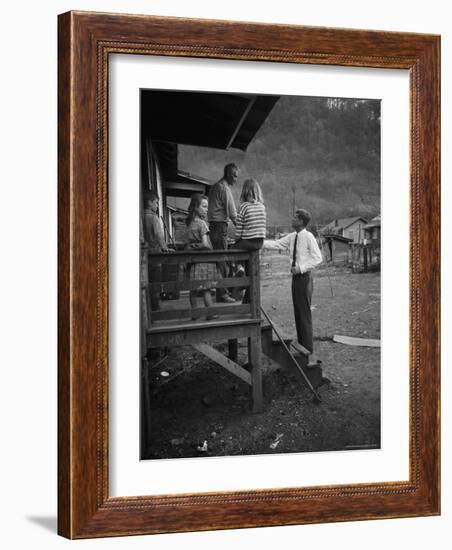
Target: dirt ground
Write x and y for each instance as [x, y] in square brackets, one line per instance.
[200, 409]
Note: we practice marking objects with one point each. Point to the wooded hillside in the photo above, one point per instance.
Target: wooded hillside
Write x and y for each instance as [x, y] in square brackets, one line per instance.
[322, 154]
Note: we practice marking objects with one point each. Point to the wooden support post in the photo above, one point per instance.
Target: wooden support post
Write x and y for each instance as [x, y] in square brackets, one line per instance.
[254, 342]
[233, 349]
[146, 405]
[254, 357]
[255, 285]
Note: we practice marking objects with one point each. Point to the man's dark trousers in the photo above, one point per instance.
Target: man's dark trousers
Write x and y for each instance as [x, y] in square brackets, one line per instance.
[302, 287]
[218, 232]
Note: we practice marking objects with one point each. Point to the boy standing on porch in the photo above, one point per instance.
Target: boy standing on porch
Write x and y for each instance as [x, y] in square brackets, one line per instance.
[153, 226]
[305, 255]
[155, 238]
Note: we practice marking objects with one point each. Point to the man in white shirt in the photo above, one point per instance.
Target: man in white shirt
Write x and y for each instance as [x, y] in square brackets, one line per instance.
[305, 255]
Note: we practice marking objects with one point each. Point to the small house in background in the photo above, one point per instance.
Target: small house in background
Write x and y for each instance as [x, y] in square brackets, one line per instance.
[372, 231]
[335, 248]
[349, 228]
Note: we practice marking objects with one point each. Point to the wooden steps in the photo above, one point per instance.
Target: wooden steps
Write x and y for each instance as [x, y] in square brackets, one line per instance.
[274, 350]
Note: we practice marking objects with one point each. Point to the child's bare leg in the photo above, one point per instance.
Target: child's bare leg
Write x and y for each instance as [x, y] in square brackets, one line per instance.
[207, 298]
[208, 303]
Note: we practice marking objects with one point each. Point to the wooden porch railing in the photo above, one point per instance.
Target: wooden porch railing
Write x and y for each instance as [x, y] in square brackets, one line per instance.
[174, 325]
[185, 258]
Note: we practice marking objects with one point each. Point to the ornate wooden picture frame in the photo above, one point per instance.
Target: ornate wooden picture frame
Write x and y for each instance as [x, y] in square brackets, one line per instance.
[86, 40]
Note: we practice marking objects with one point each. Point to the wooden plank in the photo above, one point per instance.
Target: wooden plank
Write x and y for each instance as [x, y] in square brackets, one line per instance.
[172, 286]
[177, 185]
[146, 404]
[299, 348]
[240, 122]
[242, 309]
[350, 341]
[177, 257]
[255, 285]
[144, 321]
[171, 258]
[194, 325]
[224, 362]
[201, 333]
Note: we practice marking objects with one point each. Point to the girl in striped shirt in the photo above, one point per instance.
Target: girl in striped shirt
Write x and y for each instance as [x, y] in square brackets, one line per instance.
[251, 219]
[250, 228]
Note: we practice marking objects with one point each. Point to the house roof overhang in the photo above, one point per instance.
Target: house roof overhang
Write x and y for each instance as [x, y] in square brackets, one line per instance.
[371, 225]
[334, 237]
[205, 119]
[183, 184]
[341, 223]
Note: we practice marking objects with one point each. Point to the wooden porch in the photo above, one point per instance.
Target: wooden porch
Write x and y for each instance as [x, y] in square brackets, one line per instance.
[172, 324]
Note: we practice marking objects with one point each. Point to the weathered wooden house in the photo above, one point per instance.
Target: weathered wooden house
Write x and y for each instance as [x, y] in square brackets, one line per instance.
[335, 248]
[204, 119]
[350, 228]
[372, 231]
[221, 121]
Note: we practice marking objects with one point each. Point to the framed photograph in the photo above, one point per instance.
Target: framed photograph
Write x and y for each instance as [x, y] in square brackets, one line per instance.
[248, 275]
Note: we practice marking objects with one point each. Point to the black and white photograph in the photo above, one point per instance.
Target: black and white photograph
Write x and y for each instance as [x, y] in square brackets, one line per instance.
[260, 274]
[209, 339]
